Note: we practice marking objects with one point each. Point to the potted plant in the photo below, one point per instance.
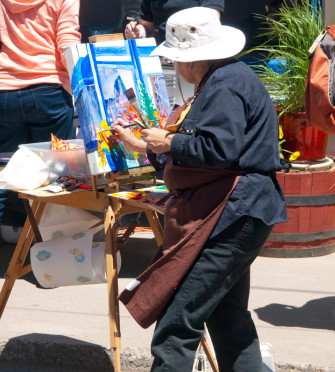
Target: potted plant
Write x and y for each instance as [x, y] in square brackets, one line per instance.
[290, 32]
[308, 188]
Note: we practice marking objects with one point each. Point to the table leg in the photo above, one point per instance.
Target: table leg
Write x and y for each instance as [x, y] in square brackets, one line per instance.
[156, 226]
[112, 284]
[14, 270]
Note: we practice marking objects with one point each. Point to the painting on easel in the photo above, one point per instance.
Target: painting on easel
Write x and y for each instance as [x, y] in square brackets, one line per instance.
[116, 79]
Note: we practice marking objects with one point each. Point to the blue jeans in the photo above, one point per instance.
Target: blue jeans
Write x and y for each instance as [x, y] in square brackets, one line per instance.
[215, 292]
[30, 115]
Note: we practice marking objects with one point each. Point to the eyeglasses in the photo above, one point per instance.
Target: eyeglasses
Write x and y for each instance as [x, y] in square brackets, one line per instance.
[165, 61]
[168, 61]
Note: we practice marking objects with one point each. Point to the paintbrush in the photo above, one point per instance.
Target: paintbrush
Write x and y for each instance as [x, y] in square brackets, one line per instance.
[136, 123]
[132, 19]
[136, 105]
[140, 124]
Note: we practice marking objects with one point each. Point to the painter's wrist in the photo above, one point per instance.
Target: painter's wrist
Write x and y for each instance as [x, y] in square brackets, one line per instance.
[143, 31]
[146, 31]
[140, 146]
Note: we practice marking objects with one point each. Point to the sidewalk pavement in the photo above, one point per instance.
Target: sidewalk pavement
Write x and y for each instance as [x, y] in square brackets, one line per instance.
[292, 302]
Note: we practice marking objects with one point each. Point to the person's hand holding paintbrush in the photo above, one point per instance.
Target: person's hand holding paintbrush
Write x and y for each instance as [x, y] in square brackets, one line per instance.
[120, 130]
[158, 140]
[134, 30]
[137, 30]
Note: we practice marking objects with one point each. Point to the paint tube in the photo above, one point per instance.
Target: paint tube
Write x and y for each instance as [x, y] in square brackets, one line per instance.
[65, 183]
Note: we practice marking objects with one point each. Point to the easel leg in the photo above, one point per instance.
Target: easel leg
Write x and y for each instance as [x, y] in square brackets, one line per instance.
[208, 353]
[112, 283]
[14, 270]
[156, 226]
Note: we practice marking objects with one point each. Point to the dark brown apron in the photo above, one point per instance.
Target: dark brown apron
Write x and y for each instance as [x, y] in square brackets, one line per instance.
[189, 220]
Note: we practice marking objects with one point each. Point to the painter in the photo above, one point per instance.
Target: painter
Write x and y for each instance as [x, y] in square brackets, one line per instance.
[224, 199]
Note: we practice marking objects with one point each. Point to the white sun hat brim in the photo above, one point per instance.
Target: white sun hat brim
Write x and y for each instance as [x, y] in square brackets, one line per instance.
[201, 37]
[230, 43]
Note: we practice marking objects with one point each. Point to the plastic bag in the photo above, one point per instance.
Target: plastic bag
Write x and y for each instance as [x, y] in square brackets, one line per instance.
[24, 171]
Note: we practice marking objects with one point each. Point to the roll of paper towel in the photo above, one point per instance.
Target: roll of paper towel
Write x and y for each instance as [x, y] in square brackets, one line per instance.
[71, 260]
[61, 220]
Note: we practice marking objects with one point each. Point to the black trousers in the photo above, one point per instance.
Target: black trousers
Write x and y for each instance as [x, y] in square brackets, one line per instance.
[215, 292]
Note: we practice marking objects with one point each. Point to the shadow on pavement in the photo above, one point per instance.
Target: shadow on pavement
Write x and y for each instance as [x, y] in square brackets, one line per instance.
[316, 314]
[64, 353]
[6, 252]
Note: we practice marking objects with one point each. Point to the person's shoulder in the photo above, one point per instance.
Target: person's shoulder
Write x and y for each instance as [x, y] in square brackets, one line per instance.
[234, 69]
[237, 76]
[237, 65]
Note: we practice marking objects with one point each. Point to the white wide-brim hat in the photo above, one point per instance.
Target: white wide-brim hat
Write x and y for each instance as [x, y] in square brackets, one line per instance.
[196, 34]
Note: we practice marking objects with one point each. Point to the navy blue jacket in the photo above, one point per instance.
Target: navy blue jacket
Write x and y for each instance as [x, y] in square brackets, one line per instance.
[158, 11]
[233, 124]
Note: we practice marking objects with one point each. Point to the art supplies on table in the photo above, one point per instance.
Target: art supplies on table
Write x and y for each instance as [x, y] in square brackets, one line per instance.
[155, 196]
[67, 183]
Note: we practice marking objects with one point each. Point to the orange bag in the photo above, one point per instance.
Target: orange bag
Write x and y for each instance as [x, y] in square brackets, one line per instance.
[320, 82]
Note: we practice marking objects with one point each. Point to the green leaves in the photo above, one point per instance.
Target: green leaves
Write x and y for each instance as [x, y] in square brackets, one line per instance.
[290, 33]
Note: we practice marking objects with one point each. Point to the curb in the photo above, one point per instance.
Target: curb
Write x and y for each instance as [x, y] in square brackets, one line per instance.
[61, 357]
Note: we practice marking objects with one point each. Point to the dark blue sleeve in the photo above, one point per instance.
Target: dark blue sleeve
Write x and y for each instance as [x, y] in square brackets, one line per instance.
[214, 4]
[157, 160]
[146, 13]
[219, 123]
